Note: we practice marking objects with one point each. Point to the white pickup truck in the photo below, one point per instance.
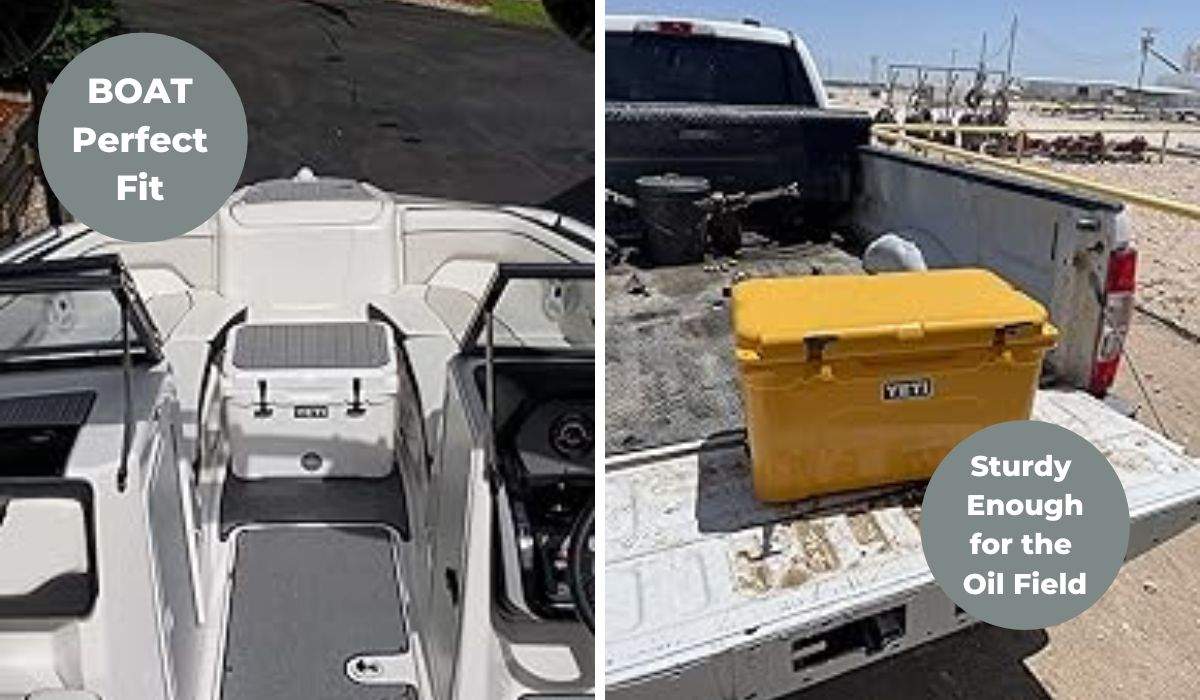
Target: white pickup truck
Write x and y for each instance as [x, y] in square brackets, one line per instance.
[711, 594]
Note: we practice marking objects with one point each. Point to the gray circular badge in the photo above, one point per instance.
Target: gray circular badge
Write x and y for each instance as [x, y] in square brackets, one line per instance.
[1025, 525]
[142, 137]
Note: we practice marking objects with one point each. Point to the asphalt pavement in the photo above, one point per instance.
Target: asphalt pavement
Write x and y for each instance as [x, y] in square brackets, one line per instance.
[412, 99]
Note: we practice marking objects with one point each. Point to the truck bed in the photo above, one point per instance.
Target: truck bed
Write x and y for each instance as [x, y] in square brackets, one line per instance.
[695, 608]
[1051, 244]
[682, 313]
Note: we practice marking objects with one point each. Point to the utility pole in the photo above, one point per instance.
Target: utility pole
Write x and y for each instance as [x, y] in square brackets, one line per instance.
[983, 54]
[874, 70]
[1147, 45]
[1012, 49]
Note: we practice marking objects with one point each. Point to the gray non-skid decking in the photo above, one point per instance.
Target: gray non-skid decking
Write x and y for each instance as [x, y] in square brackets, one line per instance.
[305, 600]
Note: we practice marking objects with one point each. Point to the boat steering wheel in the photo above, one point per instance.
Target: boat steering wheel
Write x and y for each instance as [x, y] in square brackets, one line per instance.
[581, 565]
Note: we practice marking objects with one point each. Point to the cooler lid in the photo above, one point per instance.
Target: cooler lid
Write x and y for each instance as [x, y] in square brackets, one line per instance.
[851, 315]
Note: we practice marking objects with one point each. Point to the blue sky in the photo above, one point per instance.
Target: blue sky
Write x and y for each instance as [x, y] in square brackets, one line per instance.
[1063, 38]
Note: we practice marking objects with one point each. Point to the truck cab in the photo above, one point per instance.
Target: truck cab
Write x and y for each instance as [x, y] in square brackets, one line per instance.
[670, 59]
[738, 104]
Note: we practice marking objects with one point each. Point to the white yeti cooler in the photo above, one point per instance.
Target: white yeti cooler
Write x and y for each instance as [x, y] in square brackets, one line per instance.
[311, 400]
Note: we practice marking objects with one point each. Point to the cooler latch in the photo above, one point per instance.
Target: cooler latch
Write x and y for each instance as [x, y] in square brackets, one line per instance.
[814, 348]
[262, 409]
[356, 404]
[1003, 333]
[1012, 330]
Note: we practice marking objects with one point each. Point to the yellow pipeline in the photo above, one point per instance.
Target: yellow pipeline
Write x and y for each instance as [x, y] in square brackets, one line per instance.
[1162, 204]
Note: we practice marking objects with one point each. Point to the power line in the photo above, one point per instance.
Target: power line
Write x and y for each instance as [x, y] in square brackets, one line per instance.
[999, 50]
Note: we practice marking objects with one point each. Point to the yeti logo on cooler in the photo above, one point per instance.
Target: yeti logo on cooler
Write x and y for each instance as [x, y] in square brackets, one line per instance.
[311, 412]
[900, 389]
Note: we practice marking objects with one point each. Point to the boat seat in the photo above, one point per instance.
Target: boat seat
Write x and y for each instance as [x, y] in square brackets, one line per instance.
[46, 527]
[48, 537]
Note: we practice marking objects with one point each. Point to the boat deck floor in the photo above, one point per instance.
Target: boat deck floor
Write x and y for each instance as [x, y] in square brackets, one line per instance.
[306, 601]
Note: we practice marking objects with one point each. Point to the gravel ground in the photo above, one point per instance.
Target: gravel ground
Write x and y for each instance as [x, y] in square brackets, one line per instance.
[1168, 393]
[1182, 134]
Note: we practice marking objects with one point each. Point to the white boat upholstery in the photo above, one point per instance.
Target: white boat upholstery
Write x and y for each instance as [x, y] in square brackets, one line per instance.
[47, 536]
[341, 244]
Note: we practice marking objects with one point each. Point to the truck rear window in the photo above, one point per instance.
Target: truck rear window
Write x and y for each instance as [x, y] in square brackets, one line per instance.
[647, 67]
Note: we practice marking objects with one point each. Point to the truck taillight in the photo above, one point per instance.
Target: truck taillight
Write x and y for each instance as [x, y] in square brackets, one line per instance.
[1118, 313]
[1122, 271]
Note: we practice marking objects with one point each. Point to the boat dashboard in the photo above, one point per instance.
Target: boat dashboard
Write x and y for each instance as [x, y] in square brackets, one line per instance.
[545, 476]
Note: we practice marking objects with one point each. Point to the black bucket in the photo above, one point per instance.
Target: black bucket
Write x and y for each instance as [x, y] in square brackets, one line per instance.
[674, 224]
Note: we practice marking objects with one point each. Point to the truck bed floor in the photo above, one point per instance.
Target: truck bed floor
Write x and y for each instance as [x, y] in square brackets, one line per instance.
[669, 366]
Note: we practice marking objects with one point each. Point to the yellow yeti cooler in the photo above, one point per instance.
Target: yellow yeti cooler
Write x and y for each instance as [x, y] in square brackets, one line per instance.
[858, 381]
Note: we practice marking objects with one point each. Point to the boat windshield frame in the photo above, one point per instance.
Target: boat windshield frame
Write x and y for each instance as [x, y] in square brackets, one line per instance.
[479, 337]
[83, 274]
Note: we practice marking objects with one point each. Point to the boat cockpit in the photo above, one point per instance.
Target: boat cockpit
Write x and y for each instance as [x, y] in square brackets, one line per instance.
[335, 443]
